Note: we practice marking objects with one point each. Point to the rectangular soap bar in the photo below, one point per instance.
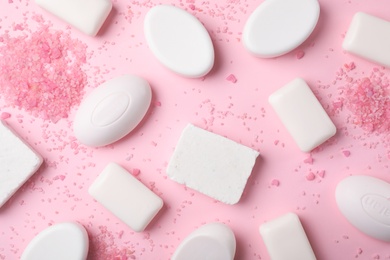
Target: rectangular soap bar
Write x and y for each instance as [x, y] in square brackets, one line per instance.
[85, 15]
[211, 164]
[369, 37]
[126, 197]
[285, 238]
[302, 115]
[18, 162]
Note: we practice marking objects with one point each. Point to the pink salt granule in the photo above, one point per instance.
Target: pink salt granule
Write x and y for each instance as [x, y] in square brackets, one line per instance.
[231, 78]
[41, 70]
[299, 54]
[346, 153]
[310, 176]
[5, 115]
[275, 182]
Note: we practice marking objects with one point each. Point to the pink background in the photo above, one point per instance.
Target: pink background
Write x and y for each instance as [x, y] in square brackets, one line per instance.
[240, 111]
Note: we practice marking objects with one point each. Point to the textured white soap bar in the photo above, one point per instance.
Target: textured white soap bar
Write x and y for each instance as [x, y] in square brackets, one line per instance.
[17, 162]
[369, 37]
[211, 164]
[86, 15]
[126, 197]
[285, 238]
[302, 114]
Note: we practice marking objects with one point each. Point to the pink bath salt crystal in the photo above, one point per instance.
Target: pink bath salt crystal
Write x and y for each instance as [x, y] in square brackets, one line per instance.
[321, 173]
[275, 182]
[337, 105]
[346, 153]
[231, 78]
[157, 103]
[349, 66]
[309, 160]
[299, 54]
[135, 172]
[5, 115]
[61, 177]
[359, 251]
[310, 176]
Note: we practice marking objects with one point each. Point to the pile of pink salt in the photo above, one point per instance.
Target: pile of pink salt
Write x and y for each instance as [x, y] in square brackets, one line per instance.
[41, 70]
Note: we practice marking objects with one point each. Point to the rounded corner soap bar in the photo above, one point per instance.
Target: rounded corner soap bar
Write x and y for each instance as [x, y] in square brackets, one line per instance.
[365, 203]
[63, 241]
[210, 241]
[179, 41]
[112, 110]
[277, 27]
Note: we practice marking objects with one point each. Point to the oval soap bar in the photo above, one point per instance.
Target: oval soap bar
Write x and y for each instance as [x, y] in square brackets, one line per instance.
[279, 26]
[179, 41]
[64, 241]
[210, 241]
[112, 110]
[365, 202]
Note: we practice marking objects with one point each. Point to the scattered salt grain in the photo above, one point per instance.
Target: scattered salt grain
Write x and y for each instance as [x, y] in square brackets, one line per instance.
[299, 54]
[310, 176]
[231, 78]
[5, 115]
[275, 182]
[346, 153]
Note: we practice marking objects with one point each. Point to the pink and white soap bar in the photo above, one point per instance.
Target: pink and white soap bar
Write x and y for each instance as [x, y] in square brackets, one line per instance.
[285, 238]
[85, 15]
[126, 197]
[369, 37]
[211, 164]
[18, 162]
[302, 114]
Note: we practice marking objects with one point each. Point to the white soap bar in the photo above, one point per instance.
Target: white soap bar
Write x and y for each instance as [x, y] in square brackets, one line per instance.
[285, 238]
[302, 114]
[369, 37]
[179, 41]
[85, 15]
[126, 197]
[211, 241]
[279, 26]
[211, 164]
[64, 241]
[112, 110]
[365, 202]
[18, 162]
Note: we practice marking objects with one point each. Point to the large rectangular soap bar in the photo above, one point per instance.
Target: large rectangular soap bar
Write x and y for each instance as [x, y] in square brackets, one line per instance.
[85, 15]
[211, 164]
[126, 197]
[285, 238]
[18, 162]
[369, 37]
[302, 114]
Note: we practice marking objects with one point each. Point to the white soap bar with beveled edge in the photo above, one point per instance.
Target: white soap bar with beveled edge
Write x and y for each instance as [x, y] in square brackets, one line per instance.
[126, 197]
[302, 114]
[211, 164]
[179, 41]
[365, 203]
[63, 241]
[85, 15]
[210, 241]
[18, 162]
[369, 37]
[285, 238]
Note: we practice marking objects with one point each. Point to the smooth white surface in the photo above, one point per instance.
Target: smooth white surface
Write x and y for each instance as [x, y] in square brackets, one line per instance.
[285, 238]
[63, 241]
[18, 162]
[126, 197]
[369, 37]
[279, 26]
[112, 110]
[85, 15]
[179, 41]
[213, 241]
[211, 164]
[302, 114]
[365, 202]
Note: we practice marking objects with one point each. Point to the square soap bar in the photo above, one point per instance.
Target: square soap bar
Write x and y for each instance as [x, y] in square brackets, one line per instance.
[302, 115]
[85, 15]
[126, 197]
[369, 37]
[211, 164]
[18, 162]
[285, 238]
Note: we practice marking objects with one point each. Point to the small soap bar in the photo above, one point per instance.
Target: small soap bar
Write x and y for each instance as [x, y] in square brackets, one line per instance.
[285, 238]
[365, 202]
[18, 162]
[179, 41]
[214, 241]
[211, 164]
[63, 241]
[85, 15]
[302, 114]
[369, 37]
[126, 197]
